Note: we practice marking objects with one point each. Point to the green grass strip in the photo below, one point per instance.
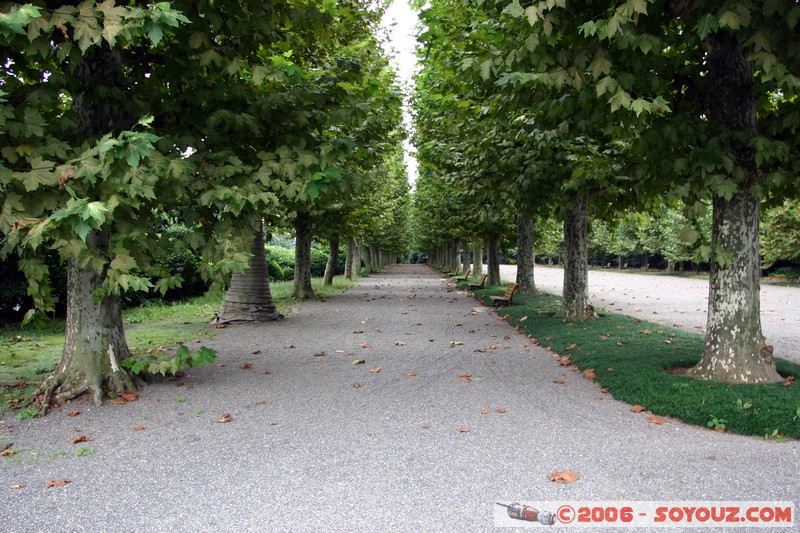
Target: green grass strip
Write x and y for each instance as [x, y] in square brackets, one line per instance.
[631, 357]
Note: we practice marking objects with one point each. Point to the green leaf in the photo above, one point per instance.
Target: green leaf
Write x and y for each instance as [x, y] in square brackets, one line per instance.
[731, 20]
[621, 99]
[486, 69]
[726, 189]
[707, 24]
[514, 9]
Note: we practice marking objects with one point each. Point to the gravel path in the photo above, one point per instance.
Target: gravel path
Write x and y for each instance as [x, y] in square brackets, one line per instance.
[319, 444]
[678, 301]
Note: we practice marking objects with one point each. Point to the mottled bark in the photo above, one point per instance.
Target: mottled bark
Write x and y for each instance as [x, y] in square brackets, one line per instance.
[735, 348]
[349, 260]
[465, 260]
[333, 261]
[575, 303]
[525, 282]
[493, 259]
[95, 345]
[301, 288]
[477, 259]
[249, 298]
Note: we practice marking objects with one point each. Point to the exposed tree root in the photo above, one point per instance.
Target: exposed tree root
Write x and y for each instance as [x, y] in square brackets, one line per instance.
[60, 388]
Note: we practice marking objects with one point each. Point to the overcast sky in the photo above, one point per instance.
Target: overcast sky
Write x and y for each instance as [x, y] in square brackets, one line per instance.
[400, 22]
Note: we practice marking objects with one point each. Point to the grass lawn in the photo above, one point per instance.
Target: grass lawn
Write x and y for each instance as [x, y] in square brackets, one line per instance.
[631, 359]
[28, 355]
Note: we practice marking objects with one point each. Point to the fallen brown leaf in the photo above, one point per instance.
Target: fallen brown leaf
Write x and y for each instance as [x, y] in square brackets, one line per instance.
[589, 373]
[81, 438]
[138, 428]
[290, 346]
[357, 362]
[358, 332]
[366, 345]
[74, 412]
[356, 385]
[320, 354]
[222, 326]
[6, 453]
[559, 381]
[425, 426]
[411, 374]
[565, 361]
[656, 420]
[370, 434]
[246, 366]
[485, 412]
[399, 343]
[563, 477]
[255, 352]
[261, 402]
[570, 347]
[501, 410]
[463, 429]
[130, 396]
[17, 486]
[224, 419]
[58, 483]
[638, 408]
[789, 381]
[376, 370]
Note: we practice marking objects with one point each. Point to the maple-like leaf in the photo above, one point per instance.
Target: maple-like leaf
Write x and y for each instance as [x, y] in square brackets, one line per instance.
[81, 438]
[656, 420]
[638, 408]
[224, 419]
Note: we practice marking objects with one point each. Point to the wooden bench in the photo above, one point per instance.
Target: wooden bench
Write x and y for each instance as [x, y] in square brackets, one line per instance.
[464, 277]
[504, 300]
[475, 286]
[451, 274]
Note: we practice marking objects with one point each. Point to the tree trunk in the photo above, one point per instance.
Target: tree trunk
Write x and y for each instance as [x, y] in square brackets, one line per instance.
[333, 260]
[735, 348]
[525, 283]
[493, 259]
[95, 339]
[249, 298]
[349, 258]
[302, 289]
[465, 262]
[575, 302]
[95, 344]
[477, 259]
[358, 259]
[646, 261]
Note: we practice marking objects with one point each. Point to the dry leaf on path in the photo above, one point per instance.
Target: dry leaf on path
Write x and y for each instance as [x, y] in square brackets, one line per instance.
[356, 385]
[255, 352]
[358, 332]
[399, 343]
[73, 413]
[638, 408]
[559, 381]
[565, 361]
[370, 434]
[456, 343]
[261, 402]
[376, 370]
[501, 410]
[81, 438]
[485, 412]
[246, 366]
[366, 345]
[589, 373]
[411, 374]
[119, 401]
[425, 426]
[320, 354]
[6, 453]
[563, 477]
[463, 429]
[138, 428]
[57, 483]
[357, 362]
[656, 420]
[224, 419]
[17, 486]
[290, 346]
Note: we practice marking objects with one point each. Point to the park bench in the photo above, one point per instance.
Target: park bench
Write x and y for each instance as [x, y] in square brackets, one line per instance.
[465, 276]
[475, 286]
[451, 274]
[504, 300]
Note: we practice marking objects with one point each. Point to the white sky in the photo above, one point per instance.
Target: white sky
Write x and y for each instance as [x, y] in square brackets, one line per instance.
[400, 22]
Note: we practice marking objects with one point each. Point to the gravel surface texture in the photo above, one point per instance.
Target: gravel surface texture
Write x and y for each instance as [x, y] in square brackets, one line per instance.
[317, 443]
[677, 301]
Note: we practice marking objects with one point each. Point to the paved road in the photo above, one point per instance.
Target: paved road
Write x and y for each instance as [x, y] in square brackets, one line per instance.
[678, 301]
[319, 444]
